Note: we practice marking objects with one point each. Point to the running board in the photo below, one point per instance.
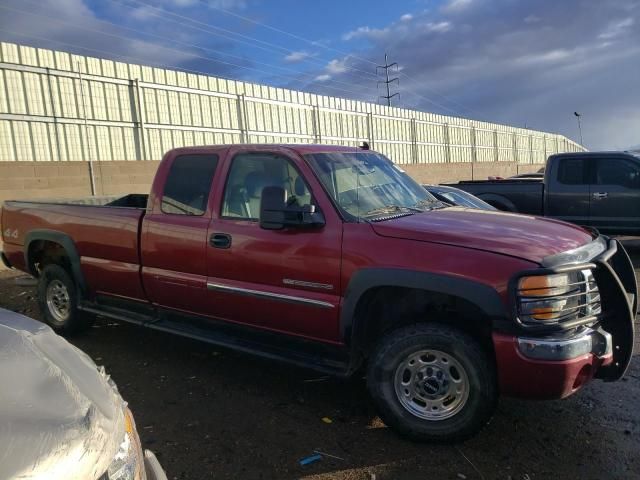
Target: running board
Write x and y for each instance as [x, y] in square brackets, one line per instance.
[323, 358]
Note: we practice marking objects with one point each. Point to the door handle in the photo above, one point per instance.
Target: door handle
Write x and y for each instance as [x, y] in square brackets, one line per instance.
[220, 240]
[600, 195]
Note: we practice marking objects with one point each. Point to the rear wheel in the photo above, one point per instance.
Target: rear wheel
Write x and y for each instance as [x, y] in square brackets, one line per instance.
[58, 301]
[432, 383]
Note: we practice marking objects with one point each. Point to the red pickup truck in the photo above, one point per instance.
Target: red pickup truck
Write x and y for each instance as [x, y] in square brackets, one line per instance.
[334, 258]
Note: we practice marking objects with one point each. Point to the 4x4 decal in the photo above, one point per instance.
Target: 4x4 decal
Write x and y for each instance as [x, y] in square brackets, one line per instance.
[8, 233]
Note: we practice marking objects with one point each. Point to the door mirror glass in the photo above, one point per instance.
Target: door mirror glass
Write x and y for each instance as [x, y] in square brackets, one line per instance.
[276, 213]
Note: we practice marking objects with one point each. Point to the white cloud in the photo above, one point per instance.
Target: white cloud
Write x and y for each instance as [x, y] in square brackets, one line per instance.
[552, 56]
[297, 57]
[336, 66]
[455, 6]
[439, 27]
[531, 19]
[407, 17]
[323, 78]
[366, 32]
[617, 28]
[398, 30]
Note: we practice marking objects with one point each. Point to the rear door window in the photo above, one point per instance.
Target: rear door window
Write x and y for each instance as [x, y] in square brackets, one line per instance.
[186, 191]
[572, 171]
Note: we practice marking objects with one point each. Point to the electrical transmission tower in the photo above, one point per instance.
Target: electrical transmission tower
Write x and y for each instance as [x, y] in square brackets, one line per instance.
[388, 80]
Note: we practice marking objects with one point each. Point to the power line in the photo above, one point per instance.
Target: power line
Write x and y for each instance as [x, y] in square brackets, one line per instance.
[215, 30]
[388, 81]
[271, 46]
[139, 60]
[194, 55]
[342, 52]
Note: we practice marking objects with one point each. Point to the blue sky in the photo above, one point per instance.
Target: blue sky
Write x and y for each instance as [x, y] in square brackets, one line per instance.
[525, 63]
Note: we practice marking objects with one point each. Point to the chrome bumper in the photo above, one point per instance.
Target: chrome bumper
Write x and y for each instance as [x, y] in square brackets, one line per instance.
[597, 342]
[152, 466]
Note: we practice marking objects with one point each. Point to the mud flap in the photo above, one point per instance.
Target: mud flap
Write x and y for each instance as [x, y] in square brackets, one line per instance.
[619, 296]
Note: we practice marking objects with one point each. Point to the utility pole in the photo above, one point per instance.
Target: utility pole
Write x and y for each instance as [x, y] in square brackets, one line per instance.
[387, 80]
[578, 115]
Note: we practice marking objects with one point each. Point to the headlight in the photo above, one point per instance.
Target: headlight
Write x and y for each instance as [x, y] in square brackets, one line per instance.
[128, 463]
[558, 297]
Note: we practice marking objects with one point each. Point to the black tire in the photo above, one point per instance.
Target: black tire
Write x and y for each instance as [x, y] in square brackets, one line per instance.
[479, 370]
[58, 279]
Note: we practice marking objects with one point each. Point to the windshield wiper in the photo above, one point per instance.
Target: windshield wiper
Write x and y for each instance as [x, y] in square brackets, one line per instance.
[431, 204]
[392, 209]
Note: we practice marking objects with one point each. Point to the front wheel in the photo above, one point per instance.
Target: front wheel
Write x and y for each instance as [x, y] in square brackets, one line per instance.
[432, 382]
[58, 301]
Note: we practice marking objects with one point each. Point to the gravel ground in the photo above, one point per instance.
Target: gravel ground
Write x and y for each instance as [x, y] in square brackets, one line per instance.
[212, 413]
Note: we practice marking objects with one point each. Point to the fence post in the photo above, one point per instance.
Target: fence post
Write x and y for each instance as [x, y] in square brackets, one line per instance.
[139, 115]
[242, 118]
[496, 155]
[447, 142]
[514, 147]
[544, 140]
[86, 133]
[315, 118]
[530, 149]
[474, 145]
[414, 142]
[54, 113]
[370, 128]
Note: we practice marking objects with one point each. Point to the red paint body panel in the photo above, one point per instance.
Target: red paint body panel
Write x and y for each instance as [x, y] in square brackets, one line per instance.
[489, 230]
[363, 248]
[106, 239]
[166, 259]
[262, 260]
[519, 376]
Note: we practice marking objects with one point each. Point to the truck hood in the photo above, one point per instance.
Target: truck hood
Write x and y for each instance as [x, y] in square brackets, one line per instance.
[522, 236]
[61, 418]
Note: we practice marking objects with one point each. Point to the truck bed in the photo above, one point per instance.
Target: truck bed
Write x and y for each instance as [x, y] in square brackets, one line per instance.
[101, 228]
[515, 195]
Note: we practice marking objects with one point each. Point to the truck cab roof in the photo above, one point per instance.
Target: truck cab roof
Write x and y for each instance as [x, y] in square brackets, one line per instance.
[301, 149]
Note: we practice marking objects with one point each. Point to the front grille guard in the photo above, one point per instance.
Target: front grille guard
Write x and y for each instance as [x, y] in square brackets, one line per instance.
[617, 287]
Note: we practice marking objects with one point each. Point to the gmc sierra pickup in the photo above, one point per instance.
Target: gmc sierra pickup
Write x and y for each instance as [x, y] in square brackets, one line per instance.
[334, 258]
[594, 189]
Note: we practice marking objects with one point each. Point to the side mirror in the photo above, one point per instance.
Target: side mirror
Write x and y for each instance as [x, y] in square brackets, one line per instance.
[275, 214]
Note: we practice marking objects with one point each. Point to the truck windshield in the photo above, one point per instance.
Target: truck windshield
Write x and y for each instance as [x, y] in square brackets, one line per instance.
[368, 186]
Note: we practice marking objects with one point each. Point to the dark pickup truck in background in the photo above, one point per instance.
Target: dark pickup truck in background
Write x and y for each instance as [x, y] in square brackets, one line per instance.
[334, 258]
[594, 189]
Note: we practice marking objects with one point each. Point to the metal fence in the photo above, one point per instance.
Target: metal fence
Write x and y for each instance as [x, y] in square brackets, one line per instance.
[56, 106]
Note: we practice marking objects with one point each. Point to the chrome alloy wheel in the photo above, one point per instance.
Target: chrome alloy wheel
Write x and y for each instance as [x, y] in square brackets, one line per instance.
[58, 301]
[431, 385]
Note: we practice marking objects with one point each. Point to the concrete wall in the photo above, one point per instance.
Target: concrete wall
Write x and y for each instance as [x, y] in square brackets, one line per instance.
[454, 172]
[33, 180]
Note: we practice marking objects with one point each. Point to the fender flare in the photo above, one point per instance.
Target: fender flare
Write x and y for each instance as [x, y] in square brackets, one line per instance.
[69, 246]
[495, 199]
[483, 296]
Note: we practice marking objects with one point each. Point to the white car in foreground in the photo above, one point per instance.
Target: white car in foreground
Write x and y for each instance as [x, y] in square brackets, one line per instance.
[61, 417]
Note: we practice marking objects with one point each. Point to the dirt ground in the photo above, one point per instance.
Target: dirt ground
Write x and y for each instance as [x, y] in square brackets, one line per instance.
[212, 413]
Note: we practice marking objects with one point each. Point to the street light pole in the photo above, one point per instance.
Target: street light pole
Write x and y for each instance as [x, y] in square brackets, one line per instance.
[579, 127]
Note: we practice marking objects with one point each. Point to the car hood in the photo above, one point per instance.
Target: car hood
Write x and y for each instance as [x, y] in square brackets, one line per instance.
[522, 236]
[61, 417]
